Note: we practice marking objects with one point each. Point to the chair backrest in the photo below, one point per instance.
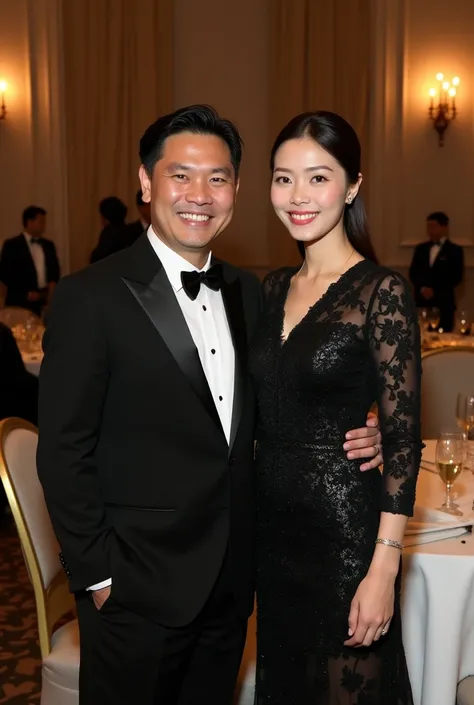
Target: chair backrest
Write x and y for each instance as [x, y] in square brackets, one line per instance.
[446, 372]
[18, 443]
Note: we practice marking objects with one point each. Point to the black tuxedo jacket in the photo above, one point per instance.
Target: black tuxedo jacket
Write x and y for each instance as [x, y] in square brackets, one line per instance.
[138, 477]
[443, 277]
[18, 272]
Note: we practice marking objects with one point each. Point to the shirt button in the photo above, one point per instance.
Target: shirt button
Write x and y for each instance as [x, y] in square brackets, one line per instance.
[204, 308]
[213, 351]
[220, 398]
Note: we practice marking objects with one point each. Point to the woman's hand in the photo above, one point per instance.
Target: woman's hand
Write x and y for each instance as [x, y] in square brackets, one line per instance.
[371, 609]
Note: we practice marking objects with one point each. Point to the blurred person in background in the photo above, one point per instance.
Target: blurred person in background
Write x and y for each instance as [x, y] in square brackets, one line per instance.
[29, 266]
[436, 270]
[112, 238]
[135, 229]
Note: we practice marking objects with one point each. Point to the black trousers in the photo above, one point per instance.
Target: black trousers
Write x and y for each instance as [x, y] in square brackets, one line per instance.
[128, 660]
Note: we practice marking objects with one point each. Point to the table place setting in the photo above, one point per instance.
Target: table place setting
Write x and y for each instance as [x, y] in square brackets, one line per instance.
[430, 522]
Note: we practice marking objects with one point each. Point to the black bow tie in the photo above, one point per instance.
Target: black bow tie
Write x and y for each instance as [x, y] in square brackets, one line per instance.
[35, 240]
[192, 281]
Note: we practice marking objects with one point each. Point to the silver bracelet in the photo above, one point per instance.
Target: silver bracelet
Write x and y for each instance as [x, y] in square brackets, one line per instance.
[389, 542]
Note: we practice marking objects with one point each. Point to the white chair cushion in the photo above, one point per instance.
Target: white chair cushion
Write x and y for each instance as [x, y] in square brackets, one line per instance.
[20, 454]
[61, 667]
[246, 691]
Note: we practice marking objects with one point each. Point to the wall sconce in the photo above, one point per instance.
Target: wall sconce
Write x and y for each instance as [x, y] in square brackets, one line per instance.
[445, 110]
[3, 105]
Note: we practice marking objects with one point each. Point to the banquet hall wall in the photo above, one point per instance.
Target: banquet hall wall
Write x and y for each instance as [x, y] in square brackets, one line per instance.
[228, 59]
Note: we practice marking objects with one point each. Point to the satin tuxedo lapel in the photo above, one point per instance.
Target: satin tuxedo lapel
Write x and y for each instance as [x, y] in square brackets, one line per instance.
[147, 281]
[232, 297]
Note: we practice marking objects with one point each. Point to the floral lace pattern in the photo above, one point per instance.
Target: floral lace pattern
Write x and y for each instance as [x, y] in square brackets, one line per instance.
[318, 514]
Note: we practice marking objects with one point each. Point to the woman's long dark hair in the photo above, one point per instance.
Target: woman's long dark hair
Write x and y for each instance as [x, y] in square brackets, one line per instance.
[337, 137]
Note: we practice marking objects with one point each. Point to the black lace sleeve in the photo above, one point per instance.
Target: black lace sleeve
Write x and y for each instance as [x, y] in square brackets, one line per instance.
[393, 334]
[273, 283]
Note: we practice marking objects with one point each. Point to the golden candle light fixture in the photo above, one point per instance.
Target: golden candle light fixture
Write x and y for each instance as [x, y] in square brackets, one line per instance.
[442, 108]
[3, 105]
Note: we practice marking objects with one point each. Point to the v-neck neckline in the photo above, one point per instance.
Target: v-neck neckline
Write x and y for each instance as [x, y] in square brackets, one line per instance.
[317, 304]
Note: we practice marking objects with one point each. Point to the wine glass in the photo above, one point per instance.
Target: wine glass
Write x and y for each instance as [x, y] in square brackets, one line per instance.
[449, 461]
[433, 318]
[465, 412]
[465, 421]
[464, 324]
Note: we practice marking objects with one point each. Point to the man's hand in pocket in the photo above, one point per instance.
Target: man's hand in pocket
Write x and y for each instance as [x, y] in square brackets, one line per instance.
[100, 596]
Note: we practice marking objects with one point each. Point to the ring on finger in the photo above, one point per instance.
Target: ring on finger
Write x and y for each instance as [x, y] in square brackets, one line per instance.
[377, 449]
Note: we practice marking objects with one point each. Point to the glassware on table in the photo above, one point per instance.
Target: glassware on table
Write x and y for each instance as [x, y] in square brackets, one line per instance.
[449, 461]
[465, 412]
[433, 318]
[464, 323]
[469, 454]
[422, 317]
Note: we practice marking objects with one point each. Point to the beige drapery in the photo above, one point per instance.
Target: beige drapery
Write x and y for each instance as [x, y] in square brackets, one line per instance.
[118, 77]
[319, 60]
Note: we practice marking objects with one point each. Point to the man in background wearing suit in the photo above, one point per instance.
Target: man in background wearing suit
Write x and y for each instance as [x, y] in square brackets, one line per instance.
[29, 267]
[437, 269]
[146, 419]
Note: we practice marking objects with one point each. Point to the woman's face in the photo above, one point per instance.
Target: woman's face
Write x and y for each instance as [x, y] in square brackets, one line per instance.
[309, 189]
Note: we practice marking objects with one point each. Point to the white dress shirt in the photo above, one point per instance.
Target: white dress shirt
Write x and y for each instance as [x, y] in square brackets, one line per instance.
[207, 322]
[37, 254]
[434, 250]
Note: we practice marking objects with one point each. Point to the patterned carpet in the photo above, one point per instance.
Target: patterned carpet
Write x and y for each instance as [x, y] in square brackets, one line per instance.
[20, 665]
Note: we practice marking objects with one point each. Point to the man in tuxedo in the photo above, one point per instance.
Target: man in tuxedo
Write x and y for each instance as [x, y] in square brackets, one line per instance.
[146, 421]
[29, 267]
[436, 270]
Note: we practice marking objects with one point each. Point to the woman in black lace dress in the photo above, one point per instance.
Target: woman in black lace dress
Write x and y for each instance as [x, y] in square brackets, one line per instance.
[339, 334]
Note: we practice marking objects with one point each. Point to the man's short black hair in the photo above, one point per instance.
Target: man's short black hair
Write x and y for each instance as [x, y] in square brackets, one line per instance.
[198, 119]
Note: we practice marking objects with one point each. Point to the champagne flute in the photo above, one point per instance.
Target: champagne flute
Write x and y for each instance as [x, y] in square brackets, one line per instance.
[465, 412]
[465, 421]
[464, 324]
[433, 317]
[423, 318]
[449, 460]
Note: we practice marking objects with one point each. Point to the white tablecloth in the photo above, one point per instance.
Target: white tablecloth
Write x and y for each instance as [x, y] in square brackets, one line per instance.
[438, 600]
[32, 363]
[437, 605]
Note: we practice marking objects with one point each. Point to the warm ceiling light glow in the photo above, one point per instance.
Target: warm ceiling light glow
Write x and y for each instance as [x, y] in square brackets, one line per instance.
[452, 92]
[439, 76]
[3, 86]
[432, 92]
[456, 81]
[446, 86]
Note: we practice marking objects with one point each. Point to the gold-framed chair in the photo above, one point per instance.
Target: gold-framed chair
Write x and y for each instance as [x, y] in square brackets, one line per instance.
[446, 372]
[245, 689]
[59, 647]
